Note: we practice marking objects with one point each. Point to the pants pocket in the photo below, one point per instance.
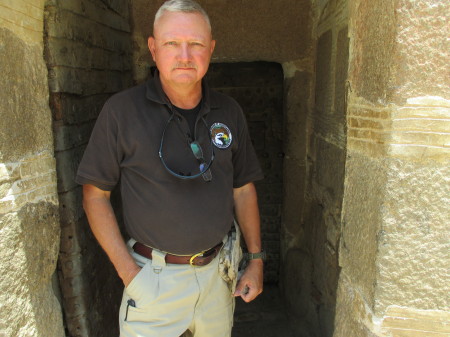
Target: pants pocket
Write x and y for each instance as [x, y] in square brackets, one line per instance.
[141, 294]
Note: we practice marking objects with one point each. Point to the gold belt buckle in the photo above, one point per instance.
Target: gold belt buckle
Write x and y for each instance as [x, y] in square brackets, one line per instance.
[191, 260]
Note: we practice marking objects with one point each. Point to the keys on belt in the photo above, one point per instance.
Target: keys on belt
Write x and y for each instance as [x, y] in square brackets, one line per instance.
[200, 259]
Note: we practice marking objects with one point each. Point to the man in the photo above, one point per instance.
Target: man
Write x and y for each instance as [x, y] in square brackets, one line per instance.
[186, 167]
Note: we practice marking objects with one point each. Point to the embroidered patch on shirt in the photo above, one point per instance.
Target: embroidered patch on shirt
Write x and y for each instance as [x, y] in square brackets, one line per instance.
[221, 135]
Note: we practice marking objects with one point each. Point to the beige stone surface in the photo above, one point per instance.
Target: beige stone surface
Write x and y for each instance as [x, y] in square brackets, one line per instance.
[372, 35]
[363, 198]
[403, 321]
[29, 245]
[353, 316]
[26, 121]
[29, 223]
[398, 167]
[400, 50]
[422, 49]
[413, 243]
[24, 18]
[257, 30]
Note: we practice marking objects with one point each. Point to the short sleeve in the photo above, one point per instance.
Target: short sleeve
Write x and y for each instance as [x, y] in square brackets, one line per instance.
[100, 165]
[245, 162]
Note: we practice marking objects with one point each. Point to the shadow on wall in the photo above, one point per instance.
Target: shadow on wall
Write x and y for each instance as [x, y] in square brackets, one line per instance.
[88, 55]
[310, 268]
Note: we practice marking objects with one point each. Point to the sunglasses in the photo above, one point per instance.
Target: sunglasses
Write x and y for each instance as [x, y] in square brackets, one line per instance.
[204, 167]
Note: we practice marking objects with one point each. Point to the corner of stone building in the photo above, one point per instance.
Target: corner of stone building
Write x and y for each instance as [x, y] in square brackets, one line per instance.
[393, 280]
[29, 221]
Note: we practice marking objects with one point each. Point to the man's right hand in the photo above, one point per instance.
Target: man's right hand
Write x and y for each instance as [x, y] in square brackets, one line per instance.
[126, 279]
[103, 222]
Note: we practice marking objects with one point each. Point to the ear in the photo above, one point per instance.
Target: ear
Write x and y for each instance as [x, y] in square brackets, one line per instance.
[152, 46]
[213, 45]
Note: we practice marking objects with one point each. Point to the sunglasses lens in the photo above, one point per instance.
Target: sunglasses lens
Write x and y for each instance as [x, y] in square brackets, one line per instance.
[207, 176]
[196, 150]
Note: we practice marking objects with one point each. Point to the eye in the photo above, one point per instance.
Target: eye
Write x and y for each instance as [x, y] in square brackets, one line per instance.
[171, 43]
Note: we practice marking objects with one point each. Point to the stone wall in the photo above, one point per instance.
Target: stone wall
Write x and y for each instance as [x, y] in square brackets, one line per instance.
[394, 246]
[88, 55]
[311, 265]
[29, 228]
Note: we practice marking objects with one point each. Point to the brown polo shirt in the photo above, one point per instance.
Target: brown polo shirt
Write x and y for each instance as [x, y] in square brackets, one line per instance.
[161, 210]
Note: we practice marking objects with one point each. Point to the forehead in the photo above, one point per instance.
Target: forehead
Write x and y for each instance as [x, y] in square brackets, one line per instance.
[172, 24]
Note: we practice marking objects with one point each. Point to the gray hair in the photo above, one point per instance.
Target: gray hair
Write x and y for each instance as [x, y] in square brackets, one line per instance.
[185, 6]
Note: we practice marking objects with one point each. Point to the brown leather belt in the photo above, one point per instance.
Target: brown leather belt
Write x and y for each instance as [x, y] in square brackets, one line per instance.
[200, 259]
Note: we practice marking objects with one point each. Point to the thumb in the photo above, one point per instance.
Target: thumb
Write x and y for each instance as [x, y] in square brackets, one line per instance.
[241, 289]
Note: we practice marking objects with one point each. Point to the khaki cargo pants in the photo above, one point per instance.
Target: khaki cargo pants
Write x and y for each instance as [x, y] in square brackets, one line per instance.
[167, 300]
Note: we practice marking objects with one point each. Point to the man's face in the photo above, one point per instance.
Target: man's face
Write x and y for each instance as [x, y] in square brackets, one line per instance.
[181, 48]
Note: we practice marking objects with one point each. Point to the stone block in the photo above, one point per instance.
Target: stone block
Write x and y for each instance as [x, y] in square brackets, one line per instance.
[410, 322]
[24, 19]
[341, 75]
[329, 168]
[78, 326]
[70, 206]
[323, 98]
[294, 194]
[73, 238]
[421, 50]
[25, 120]
[373, 37]
[43, 162]
[87, 82]
[75, 54]
[412, 259]
[352, 315]
[100, 11]
[70, 136]
[361, 221]
[67, 165]
[72, 109]
[296, 106]
[297, 283]
[74, 307]
[63, 24]
[29, 248]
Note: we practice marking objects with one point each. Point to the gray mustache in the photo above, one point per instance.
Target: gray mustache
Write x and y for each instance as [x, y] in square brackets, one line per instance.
[185, 65]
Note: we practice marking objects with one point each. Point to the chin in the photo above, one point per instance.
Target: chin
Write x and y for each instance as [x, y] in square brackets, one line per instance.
[185, 79]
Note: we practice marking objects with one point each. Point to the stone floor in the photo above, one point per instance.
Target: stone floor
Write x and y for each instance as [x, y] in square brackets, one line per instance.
[263, 317]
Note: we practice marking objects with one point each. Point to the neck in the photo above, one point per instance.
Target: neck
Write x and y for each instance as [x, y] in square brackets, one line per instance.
[184, 97]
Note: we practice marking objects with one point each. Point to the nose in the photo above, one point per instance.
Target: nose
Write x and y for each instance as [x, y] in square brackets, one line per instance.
[185, 53]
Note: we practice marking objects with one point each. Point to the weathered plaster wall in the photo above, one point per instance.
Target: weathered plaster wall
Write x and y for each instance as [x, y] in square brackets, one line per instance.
[29, 228]
[394, 247]
[88, 55]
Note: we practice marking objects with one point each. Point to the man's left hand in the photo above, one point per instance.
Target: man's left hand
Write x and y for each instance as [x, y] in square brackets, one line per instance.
[251, 283]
